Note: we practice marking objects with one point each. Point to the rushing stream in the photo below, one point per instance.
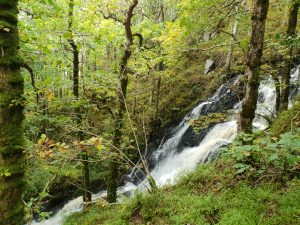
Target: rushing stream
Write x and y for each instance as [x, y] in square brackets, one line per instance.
[173, 158]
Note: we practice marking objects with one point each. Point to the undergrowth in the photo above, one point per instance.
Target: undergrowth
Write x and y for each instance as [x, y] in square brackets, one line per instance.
[256, 181]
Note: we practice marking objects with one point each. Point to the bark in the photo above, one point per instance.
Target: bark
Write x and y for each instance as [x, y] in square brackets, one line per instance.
[112, 183]
[32, 77]
[278, 92]
[134, 105]
[11, 117]
[160, 68]
[233, 39]
[252, 71]
[82, 65]
[84, 155]
[152, 91]
[157, 97]
[231, 48]
[286, 70]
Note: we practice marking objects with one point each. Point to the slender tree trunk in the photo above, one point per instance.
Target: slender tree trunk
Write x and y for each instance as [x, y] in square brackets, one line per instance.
[134, 105]
[84, 155]
[231, 47]
[252, 71]
[277, 90]
[151, 100]
[11, 117]
[286, 70]
[82, 65]
[160, 68]
[157, 97]
[112, 182]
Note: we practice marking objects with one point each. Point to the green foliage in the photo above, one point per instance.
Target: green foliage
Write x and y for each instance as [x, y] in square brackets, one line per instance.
[252, 182]
[288, 120]
[267, 156]
[202, 198]
[204, 122]
[175, 47]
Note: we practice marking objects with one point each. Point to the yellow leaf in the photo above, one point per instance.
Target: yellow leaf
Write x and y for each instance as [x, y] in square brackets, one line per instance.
[50, 96]
[42, 139]
[100, 147]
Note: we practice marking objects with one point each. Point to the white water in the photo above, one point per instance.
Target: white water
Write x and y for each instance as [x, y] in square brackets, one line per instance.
[168, 171]
[172, 164]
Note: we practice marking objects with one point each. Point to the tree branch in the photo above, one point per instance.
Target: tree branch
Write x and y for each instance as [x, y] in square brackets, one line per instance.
[140, 36]
[110, 15]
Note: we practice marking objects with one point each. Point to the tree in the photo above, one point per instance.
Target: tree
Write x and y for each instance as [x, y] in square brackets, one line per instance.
[287, 66]
[253, 63]
[87, 197]
[112, 183]
[11, 117]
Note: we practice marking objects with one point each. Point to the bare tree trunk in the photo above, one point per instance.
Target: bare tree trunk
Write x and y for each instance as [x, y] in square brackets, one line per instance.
[252, 71]
[11, 118]
[286, 70]
[84, 155]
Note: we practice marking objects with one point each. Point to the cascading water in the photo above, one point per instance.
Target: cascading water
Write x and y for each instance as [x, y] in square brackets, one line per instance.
[171, 162]
[174, 165]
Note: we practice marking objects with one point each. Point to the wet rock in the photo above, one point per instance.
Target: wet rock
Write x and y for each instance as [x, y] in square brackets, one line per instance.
[209, 66]
[225, 100]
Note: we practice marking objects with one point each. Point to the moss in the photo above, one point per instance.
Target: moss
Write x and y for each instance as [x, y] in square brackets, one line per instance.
[287, 120]
[10, 17]
[213, 194]
[8, 4]
[199, 199]
[11, 118]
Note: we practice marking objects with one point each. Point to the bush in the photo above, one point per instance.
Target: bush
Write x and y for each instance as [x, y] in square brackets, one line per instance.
[267, 157]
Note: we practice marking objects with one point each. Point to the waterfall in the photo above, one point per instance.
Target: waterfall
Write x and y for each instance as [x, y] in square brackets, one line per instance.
[174, 165]
[171, 162]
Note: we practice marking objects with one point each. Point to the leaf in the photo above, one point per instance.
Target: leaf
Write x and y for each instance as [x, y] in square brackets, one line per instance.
[277, 36]
[42, 139]
[241, 167]
[100, 147]
[6, 173]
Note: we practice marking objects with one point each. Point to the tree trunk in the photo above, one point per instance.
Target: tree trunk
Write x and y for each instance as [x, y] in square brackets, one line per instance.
[160, 68]
[277, 90]
[84, 155]
[112, 182]
[231, 48]
[11, 117]
[232, 42]
[286, 70]
[252, 71]
[134, 105]
[152, 94]
[157, 97]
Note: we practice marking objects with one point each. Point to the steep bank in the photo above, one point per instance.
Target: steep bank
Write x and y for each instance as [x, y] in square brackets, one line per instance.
[250, 184]
[266, 192]
[172, 161]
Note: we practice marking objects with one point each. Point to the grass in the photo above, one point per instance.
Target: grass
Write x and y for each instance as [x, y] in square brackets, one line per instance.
[213, 194]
